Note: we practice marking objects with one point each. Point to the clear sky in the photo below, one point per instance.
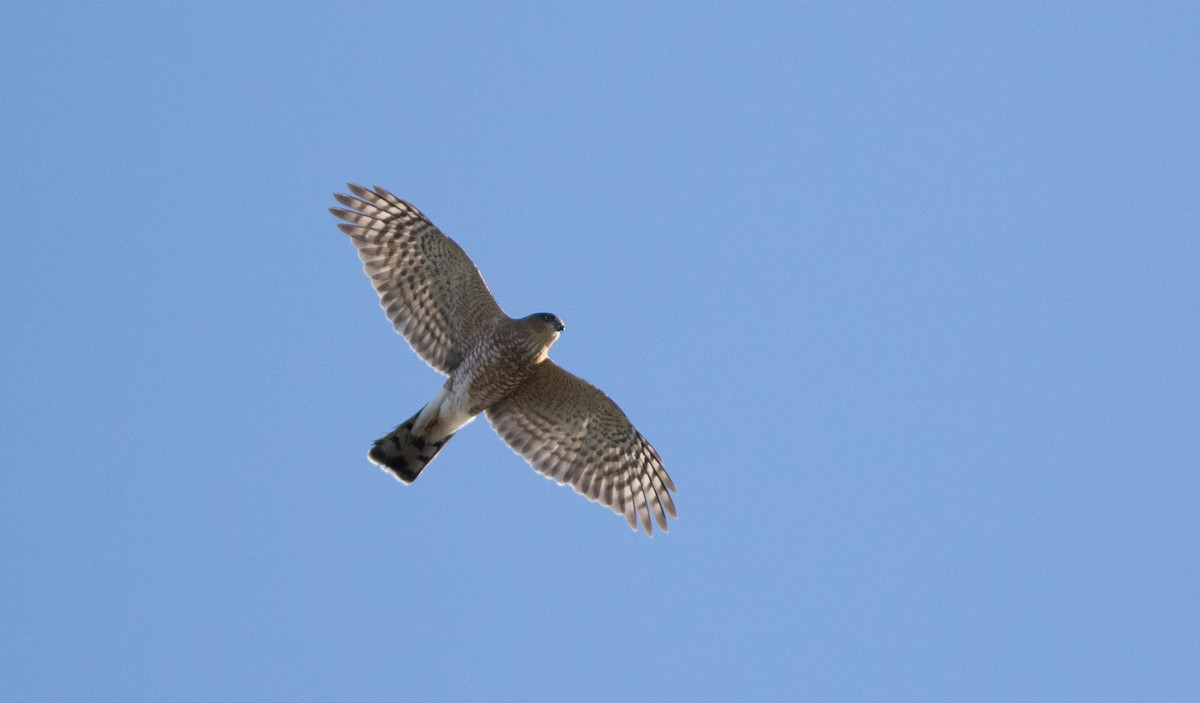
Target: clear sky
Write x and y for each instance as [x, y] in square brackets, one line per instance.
[908, 299]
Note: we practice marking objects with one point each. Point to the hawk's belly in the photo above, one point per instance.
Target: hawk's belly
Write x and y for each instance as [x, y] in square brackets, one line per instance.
[479, 382]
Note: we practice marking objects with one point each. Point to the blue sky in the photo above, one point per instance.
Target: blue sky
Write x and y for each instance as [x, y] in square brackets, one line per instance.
[907, 297]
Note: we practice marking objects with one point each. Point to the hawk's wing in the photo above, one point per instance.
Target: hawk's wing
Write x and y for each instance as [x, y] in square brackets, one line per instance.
[430, 289]
[567, 429]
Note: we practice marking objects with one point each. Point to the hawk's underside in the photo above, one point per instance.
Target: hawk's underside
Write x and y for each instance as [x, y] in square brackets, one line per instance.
[566, 428]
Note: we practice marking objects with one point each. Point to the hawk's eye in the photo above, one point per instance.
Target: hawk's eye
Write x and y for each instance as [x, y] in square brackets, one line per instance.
[548, 317]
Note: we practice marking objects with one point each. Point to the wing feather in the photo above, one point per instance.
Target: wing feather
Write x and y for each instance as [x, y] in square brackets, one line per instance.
[427, 285]
[570, 431]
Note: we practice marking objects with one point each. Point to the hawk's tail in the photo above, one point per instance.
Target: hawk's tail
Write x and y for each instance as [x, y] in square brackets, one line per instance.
[404, 453]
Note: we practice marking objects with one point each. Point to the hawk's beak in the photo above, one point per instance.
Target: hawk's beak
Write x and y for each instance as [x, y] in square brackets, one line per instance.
[559, 326]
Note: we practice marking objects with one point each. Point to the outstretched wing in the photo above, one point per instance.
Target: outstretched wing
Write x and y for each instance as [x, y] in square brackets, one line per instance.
[430, 289]
[568, 430]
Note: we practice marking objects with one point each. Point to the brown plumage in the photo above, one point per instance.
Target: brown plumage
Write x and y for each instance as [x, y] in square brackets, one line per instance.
[565, 428]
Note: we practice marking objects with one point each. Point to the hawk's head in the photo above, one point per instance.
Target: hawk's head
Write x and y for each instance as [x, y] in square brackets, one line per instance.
[543, 329]
[549, 319]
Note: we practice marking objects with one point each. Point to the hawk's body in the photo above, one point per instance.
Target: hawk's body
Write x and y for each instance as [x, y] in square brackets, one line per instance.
[565, 427]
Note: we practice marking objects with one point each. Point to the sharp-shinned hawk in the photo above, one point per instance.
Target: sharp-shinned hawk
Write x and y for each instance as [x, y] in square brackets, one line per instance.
[566, 428]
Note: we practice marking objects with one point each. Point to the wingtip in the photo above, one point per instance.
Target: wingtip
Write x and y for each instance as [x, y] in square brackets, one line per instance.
[668, 503]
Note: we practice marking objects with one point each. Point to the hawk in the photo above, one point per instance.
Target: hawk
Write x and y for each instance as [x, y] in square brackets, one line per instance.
[566, 428]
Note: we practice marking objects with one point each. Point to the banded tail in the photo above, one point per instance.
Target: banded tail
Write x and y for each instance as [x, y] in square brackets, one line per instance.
[405, 454]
